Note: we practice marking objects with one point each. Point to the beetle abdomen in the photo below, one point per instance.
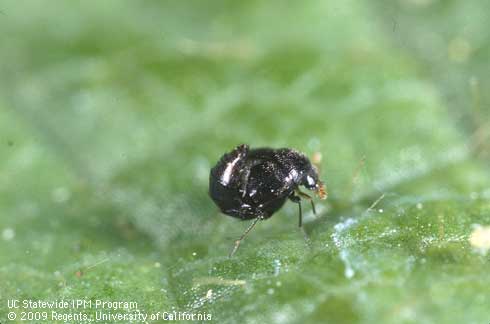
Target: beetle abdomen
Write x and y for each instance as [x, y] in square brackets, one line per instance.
[227, 170]
[246, 185]
[225, 181]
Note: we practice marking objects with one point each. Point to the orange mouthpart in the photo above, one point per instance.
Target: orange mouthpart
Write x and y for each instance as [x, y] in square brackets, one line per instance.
[321, 191]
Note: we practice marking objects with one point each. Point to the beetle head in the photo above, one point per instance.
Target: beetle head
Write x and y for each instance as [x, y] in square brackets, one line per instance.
[312, 182]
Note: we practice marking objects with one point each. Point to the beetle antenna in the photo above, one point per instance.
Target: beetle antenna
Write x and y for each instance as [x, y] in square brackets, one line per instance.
[316, 159]
[237, 242]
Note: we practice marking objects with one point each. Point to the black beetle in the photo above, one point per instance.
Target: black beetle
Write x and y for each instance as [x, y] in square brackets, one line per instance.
[255, 183]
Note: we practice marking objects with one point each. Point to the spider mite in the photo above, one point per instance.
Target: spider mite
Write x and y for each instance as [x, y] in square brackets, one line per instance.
[255, 183]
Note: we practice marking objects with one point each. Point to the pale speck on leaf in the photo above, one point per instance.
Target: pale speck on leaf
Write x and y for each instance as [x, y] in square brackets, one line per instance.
[480, 238]
[8, 234]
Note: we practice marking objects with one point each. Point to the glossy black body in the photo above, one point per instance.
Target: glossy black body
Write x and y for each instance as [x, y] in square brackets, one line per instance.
[249, 183]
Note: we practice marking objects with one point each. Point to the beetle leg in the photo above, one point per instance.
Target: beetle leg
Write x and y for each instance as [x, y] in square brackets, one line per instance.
[297, 200]
[237, 242]
[307, 197]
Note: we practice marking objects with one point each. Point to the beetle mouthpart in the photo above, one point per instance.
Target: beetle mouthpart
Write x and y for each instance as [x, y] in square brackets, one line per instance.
[321, 191]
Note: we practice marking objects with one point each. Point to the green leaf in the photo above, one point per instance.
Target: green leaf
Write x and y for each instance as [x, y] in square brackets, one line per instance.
[112, 114]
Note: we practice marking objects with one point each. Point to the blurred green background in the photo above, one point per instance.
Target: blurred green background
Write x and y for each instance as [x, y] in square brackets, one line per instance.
[113, 112]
